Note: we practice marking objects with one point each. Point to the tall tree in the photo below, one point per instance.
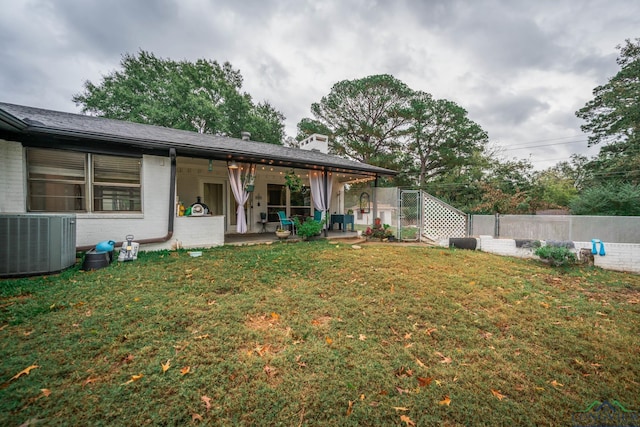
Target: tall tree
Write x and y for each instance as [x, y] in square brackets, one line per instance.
[440, 137]
[364, 116]
[613, 118]
[201, 96]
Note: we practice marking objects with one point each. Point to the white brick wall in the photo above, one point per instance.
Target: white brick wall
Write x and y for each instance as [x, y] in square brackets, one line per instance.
[12, 177]
[193, 232]
[619, 256]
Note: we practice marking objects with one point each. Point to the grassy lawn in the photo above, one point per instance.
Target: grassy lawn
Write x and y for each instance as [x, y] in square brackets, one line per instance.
[314, 334]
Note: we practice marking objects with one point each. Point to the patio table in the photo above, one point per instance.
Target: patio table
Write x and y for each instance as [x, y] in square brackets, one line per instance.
[342, 221]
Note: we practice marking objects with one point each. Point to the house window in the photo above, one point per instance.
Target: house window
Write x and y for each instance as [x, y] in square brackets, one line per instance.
[116, 183]
[301, 202]
[67, 181]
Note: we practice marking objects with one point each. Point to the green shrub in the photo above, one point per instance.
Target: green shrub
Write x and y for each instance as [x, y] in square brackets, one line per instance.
[309, 228]
[556, 256]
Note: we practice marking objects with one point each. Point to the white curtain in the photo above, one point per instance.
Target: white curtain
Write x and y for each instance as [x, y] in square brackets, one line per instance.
[237, 179]
[316, 180]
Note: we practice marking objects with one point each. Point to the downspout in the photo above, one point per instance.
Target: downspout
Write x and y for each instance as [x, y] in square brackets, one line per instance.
[326, 203]
[172, 205]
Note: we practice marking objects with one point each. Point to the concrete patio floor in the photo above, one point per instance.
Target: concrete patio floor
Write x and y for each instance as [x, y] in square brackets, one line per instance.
[254, 238]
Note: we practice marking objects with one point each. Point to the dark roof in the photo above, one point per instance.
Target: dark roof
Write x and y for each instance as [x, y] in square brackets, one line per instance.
[29, 124]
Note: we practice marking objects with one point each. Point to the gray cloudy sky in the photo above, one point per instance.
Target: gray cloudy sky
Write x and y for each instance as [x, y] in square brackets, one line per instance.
[520, 68]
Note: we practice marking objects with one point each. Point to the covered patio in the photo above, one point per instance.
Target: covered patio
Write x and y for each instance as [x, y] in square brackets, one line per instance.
[248, 190]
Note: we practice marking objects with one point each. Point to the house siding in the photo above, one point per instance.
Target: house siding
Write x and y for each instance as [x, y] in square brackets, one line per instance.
[152, 222]
[92, 228]
[12, 185]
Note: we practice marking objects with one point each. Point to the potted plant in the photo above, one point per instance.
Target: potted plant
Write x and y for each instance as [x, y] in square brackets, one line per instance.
[382, 232]
[282, 233]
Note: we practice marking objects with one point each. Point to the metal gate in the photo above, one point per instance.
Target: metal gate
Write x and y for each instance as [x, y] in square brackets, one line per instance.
[409, 215]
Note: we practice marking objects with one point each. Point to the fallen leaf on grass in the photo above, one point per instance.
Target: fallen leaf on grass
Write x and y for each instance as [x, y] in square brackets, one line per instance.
[25, 371]
[556, 383]
[424, 381]
[544, 304]
[31, 421]
[400, 408]
[350, 408]
[429, 331]
[446, 401]
[207, 402]
[362, 337]
[403, 372]
[329, 340]
[269, 371]
[201, 337]
[402, 390]
[407, 420]
[166, 366]
[445, 359]
[89, 381]
[185, 370]
[275, 316]
[497, 394]
[195, 417]
[45, 392]
[419, 362]
[133, 378]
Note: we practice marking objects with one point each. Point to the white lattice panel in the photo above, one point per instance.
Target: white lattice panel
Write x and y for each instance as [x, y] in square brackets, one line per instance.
[442, 220]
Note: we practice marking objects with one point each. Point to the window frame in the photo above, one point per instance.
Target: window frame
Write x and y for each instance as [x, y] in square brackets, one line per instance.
[89, 183]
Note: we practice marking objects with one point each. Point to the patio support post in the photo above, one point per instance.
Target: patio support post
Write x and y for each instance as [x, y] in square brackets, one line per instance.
[375, 200]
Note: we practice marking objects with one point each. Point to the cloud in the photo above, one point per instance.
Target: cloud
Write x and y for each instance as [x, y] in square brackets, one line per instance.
[521, 69]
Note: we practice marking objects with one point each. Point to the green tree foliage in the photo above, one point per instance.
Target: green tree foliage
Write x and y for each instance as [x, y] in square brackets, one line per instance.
[613, 118]
[617, 199]
[554, 188]
[380, 120]
[201, 96]
[307, 127]
[440, 137]
[364, 117]
[506, 188]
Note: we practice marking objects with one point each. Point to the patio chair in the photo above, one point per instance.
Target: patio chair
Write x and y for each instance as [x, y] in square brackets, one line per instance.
[286, 222]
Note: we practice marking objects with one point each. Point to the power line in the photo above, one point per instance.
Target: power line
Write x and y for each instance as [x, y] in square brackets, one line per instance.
[511, 148]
